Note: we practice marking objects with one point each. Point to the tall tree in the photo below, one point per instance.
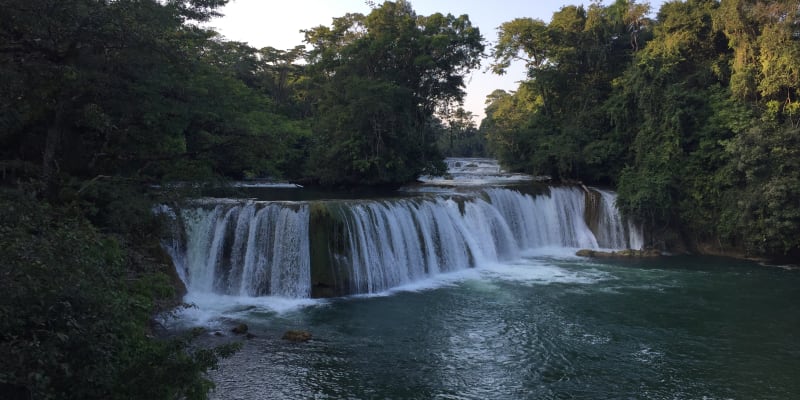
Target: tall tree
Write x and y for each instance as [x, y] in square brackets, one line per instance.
[390, 71]
[765, 85]
[571, 63]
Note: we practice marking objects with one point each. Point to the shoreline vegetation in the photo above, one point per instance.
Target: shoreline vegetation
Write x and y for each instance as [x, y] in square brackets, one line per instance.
[693, 116]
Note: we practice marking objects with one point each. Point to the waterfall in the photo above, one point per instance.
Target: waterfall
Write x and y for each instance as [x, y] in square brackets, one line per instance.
[401, 241]
[338, 247]
[611, 231]
[545, 221]
[246, 249]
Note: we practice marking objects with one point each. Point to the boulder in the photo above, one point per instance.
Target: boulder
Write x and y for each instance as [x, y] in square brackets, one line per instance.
[240, 329]
[585, 253]
[296, 336]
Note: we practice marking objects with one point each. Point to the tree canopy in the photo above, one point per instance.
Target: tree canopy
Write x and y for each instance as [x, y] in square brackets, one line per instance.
[693, 115]
[379, 80]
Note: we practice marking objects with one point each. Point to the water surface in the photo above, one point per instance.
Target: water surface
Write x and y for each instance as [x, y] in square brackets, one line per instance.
[544, 327]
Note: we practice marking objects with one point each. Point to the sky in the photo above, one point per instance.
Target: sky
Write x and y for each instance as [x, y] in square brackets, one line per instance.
[277, 24]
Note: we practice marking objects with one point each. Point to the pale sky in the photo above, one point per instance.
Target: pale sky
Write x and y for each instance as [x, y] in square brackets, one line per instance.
[278, 23]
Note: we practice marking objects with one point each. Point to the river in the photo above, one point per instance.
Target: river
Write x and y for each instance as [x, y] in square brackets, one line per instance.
[485, 307]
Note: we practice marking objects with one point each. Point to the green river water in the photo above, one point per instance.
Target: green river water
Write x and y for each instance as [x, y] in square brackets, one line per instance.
[544, 327]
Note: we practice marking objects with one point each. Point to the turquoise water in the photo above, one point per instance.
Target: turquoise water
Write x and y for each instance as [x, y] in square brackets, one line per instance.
[540, 328]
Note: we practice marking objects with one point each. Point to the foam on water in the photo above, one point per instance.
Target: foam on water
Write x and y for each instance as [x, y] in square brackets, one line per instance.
[438, 281]
[534, 271]
[214, 310]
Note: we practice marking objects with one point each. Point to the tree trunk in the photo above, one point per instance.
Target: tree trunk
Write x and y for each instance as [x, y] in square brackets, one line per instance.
[51, 144]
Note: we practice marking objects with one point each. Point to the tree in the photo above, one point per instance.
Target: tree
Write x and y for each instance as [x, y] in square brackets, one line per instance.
[379, 80]
[670, 86]
[559, 127]
[97, 102]
[461, 138]
[763, 36]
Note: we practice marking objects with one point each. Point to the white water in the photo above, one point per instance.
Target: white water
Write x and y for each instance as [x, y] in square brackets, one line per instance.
[252, 249]
[613, 232]
[475, 172]
[246, 250]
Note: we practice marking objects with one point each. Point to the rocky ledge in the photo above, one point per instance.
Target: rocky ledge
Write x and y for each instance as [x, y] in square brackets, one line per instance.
[629, 253]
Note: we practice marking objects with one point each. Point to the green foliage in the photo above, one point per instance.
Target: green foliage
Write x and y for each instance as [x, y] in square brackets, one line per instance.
[379, 80]
[555, 123]
[695, 122]
[74, 312]
[460, 138]
[768, 157]
[366, 128]
[106, 98]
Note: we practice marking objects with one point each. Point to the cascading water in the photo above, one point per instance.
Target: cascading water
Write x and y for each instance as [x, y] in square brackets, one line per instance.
[245, 249]
[610, 229]
[264, 248]
[401, 241]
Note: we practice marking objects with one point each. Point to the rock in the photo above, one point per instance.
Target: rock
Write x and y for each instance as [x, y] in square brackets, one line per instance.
[584, 253]
[627, 253]
[296, 336]
[249, 335]
[240, 329]
[650, 253]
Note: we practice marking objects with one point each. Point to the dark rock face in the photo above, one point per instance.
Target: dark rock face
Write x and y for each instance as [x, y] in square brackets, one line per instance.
[296, 336]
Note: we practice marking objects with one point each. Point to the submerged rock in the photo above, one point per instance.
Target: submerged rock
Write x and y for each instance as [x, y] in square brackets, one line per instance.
[296, 336]
[240, 329]
[618, 254]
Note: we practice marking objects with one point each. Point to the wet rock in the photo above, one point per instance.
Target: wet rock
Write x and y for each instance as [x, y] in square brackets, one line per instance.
[585, 253]
[240, 329]
[296, 336]
[628, 253]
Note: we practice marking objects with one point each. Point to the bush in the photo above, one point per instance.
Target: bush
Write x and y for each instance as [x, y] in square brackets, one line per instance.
[74, 315]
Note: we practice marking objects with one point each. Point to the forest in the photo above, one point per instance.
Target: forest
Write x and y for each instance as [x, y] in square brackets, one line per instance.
[693, 117]
[111, 107]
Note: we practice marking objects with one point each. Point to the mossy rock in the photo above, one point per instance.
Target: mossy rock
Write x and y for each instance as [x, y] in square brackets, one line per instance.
[628, 253]
[328, 242]
[296, 336]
